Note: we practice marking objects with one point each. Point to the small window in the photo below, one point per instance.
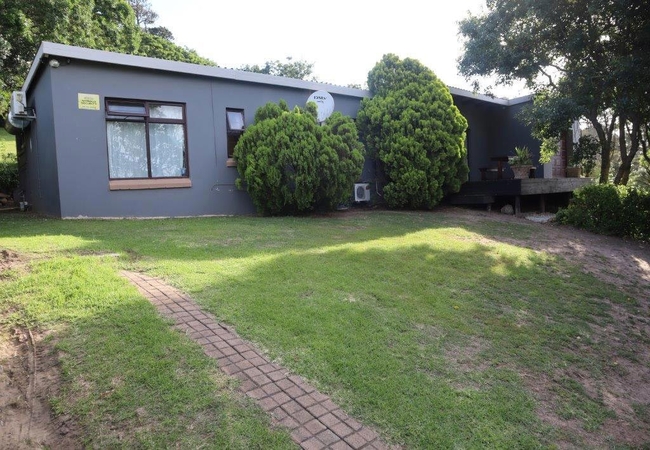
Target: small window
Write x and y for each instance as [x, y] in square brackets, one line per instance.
[146, 140]
[235, 126]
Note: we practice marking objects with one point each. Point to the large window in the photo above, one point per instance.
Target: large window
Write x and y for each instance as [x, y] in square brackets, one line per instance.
[235, 128]
[146, 140]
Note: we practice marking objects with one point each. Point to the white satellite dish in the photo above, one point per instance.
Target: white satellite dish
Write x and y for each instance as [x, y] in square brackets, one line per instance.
[324, 103]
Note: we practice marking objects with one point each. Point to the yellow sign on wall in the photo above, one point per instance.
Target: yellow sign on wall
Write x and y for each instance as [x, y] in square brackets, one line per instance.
[88, 101]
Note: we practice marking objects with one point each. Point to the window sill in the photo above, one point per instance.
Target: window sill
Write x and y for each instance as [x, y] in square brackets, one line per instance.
[231, 162]
[159, 183]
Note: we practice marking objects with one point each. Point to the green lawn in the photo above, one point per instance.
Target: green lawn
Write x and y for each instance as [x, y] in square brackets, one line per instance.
[7, 142]
[413, 322]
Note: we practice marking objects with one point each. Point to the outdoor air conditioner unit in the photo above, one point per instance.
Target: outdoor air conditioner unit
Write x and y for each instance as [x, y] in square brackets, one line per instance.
[18, 103]
[361, 192]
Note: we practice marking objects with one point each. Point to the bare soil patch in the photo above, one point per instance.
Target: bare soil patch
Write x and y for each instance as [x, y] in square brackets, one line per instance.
[624, 384]
[29, 378]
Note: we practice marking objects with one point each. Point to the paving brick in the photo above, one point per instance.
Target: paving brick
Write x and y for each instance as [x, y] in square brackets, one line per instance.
[281, 398]
[295, 392]
[330, 406]
[300, 434]
[258, 361]
[268, 404]
[315, 426]
[341, 429]
[231, 369]
[329, 420]
[261, 379]
[256, 393]
[279, 414]
[292, 407]
[340, 445]
[355, 441]
[268, 368]
[247, 385]
[277, 375]
[306, 400]
[317, 410]
[285, 384]
[244, 364]
[253, 372]
[290, 422]
[313, 444]
[302, 415]
[327, 437]
[352, 423]
[368, 434]
[271, 388]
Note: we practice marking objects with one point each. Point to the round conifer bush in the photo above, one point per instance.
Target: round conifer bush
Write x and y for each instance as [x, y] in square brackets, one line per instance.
[289, 164]
[412, 127]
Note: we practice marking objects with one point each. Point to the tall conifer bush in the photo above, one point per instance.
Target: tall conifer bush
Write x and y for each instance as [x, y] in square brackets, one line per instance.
[415, 131]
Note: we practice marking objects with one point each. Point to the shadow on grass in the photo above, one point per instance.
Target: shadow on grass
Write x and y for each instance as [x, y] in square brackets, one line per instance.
[426, 340]
[403, 318]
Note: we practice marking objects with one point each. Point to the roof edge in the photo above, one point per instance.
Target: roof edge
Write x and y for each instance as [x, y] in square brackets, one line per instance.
[48, 49]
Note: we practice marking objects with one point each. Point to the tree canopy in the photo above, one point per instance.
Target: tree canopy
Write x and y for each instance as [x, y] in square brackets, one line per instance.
[299, 69]
[100, 24]
[583, 58]
[415, 131]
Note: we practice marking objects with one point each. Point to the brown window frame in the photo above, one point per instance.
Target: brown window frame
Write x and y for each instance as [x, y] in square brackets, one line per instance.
[232, 136]
[145, 117]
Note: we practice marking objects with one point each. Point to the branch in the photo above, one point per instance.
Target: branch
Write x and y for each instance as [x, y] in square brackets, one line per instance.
[550, 79]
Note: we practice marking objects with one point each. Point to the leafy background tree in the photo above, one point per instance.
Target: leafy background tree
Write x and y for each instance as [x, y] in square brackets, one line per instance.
[584, 58]
[101, 24]
[412, 127]
[299, 69]
[289, 164]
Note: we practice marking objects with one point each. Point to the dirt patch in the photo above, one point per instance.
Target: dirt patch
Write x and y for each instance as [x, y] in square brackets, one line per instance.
[29, 378]
[9, 260]
[623, 384]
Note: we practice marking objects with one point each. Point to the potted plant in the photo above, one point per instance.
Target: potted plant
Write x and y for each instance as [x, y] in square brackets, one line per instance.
[583, 157]
[521, 163]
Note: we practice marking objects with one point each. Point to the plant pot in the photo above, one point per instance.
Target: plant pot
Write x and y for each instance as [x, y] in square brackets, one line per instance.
[521, 172]
[573, 172]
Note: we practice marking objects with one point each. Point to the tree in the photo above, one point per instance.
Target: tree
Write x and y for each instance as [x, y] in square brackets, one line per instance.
[105, 24]
[584, 58]
[144, 14]
[290, 69]
[289, 164]
[413, 128]
[162, 32]
[100, 24]
[158, 47]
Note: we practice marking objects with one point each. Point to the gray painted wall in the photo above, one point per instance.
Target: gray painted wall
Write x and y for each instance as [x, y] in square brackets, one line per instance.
[67, 169]
[82, 147]
[37, 155]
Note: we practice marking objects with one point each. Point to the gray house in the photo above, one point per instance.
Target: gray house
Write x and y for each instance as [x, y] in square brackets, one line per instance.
[118, 135]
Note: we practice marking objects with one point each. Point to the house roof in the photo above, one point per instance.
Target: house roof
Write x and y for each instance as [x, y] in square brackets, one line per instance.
[50, 49]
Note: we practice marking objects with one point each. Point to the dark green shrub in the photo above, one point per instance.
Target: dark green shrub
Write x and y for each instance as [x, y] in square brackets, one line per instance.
[609, 209]
[8, 173]
[413, 128]
[290, 164]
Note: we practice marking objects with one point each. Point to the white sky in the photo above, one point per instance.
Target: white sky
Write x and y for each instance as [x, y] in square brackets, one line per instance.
[344, 39]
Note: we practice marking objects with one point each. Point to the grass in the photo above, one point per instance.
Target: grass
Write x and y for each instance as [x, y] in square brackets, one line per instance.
[7, 142]
[426, 329]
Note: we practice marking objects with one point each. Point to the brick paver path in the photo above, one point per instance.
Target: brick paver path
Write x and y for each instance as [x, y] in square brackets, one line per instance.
[315, 422]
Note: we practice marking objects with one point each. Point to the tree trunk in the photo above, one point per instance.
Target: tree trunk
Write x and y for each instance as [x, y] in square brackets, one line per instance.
[605, 160]
[627, 157]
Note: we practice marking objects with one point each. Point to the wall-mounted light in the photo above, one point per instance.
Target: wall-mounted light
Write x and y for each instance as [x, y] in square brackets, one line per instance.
[54, 63]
